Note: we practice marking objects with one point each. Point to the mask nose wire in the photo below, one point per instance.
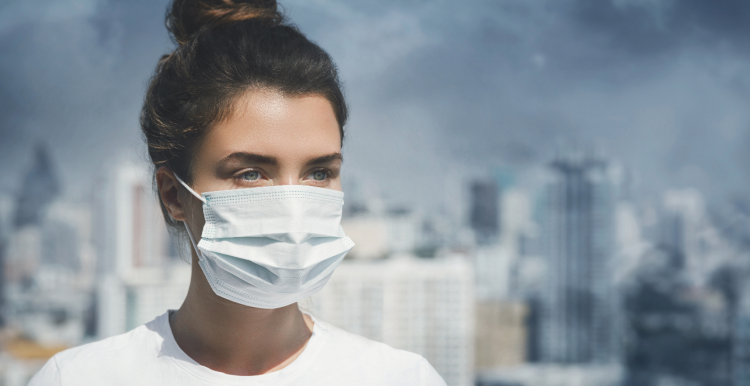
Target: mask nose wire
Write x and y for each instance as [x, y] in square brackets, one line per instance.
[190, 234]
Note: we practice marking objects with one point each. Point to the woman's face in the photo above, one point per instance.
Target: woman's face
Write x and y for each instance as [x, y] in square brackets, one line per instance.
[271, 139]
[268, 139]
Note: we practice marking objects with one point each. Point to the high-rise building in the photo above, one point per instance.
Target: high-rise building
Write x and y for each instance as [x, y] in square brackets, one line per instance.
[424, 306]
[555, 375]
[684, 228]
[50, 272]
[496, 265]
[382, 233]
[484, 215]
[138, 278]
[578, 322]
[46, 292]
[6, 208]
[741, 339]
[501, 334]
[40, 186]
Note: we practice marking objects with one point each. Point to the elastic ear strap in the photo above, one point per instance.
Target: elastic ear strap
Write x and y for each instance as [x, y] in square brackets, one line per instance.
[192, 240]
[190, 189]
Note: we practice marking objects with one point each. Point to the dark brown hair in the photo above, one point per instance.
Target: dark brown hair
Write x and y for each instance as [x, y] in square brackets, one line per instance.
[226, 48]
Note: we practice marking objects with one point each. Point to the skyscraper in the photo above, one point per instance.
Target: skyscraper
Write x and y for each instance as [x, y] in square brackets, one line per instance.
[685, 229]
[579, 302]
[484, 213]
[137, 279]
[40, 186]
[741, 334]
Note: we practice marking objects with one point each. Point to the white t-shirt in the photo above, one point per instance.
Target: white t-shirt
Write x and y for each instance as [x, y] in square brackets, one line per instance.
[149, 355]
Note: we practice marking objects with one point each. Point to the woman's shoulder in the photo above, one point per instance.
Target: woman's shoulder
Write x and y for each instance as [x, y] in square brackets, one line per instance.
[104, 358]
[360, 358]
[138, 340]
[356, 345]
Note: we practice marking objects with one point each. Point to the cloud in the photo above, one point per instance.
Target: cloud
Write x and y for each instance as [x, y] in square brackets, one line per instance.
[440, 92]
[653, 27]
[14, 13]
[74, 79]
[503, 83]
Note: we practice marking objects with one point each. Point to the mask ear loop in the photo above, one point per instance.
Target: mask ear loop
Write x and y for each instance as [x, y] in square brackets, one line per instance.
[192, 241]
[198, 196]
[190, 234]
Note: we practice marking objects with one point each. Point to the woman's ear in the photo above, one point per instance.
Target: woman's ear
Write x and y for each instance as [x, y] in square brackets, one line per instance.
[169, 189]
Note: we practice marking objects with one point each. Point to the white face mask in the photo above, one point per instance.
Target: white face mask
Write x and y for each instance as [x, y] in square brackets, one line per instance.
[269, 247]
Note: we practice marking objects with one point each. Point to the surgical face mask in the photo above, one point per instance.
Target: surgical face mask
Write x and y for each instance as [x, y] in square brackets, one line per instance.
[269, 247]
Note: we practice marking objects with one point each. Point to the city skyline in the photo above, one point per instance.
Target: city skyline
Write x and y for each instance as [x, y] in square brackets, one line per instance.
[575, 234]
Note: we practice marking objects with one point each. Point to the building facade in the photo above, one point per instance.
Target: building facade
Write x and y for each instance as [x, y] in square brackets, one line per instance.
[139, 277]
[579, 302]
[424, 306]
[484, 214]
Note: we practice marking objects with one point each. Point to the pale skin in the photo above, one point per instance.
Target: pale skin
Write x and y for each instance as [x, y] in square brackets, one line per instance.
[268, 139]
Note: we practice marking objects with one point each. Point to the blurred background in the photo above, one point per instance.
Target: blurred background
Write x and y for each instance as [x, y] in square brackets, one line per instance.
[546, 192]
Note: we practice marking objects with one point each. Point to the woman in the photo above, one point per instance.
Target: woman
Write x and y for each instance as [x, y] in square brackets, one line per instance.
[244, 123]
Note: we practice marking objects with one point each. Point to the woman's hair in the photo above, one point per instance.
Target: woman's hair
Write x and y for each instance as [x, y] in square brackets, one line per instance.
[226, 48]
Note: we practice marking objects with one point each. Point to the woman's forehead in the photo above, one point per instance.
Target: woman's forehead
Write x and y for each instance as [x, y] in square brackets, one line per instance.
[268, 122]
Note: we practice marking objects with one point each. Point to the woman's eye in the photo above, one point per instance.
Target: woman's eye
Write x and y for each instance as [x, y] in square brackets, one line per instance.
[250, 176]
[319, 175]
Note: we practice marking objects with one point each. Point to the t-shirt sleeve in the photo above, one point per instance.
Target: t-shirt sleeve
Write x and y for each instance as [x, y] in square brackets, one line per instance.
[429, 376]
[48, 375]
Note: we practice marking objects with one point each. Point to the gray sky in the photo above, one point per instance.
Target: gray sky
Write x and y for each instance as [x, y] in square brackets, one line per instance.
[440, 91]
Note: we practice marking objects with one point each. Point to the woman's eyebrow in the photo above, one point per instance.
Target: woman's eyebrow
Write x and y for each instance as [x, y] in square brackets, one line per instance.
[249, 158]
[326, 159]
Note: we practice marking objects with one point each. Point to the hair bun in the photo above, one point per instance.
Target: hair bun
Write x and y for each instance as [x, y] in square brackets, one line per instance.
[186, 17]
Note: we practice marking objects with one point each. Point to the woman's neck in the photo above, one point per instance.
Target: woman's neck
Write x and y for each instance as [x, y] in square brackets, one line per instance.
[235, 339]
